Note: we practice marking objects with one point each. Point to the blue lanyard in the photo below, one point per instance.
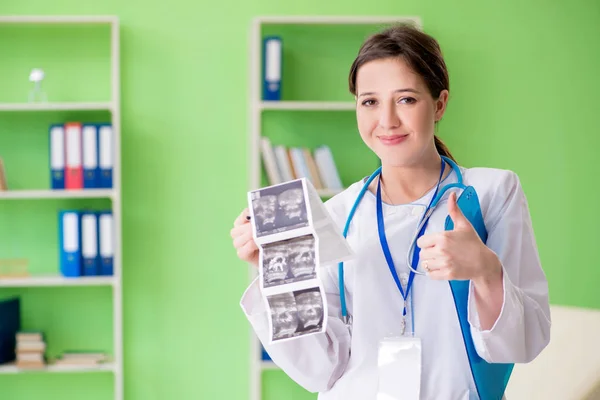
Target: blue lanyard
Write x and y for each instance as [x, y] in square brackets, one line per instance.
[417, 250]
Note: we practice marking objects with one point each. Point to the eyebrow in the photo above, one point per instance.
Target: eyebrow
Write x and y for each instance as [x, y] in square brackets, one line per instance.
[395, 91]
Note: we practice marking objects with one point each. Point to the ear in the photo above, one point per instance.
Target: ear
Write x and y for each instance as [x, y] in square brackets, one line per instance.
[440, 105]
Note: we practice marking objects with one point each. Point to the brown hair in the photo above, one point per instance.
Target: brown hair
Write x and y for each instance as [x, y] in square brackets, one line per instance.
[419, 50]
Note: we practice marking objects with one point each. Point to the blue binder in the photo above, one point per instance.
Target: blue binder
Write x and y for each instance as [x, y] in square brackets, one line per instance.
[56, 136]
[91, 159]
[264, 355]
[90, 258]
[491, 380]
[106, 155]
[10, 324]
[69, 233]
[272, 67]
[106, 242]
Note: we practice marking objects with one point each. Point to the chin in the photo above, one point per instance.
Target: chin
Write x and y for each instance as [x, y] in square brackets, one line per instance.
[396, 159]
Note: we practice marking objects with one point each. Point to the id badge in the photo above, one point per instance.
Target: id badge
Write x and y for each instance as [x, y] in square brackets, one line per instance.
[399, 364]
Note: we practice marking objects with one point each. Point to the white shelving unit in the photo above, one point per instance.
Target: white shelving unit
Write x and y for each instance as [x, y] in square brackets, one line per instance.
[12, 369]
[114, 107]
[58, 280]
[56, 106]
[58, 194]
[258, 106]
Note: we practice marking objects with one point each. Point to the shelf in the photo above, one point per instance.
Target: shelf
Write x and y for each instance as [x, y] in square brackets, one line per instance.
[268, 365]
[57, 280]
[335, 20]
[328, 192]
[12, 369]
[66, 19]
[106, 106]
[308, 105]
[57, 194]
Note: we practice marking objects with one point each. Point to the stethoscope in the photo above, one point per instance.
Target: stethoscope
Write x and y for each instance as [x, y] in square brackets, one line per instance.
[440, 193]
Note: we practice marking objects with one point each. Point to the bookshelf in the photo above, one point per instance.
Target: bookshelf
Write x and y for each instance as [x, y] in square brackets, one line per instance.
[12, 369]
[57, 280]
[16, 203]
[56, 106]
[57, 194]
[315, 108]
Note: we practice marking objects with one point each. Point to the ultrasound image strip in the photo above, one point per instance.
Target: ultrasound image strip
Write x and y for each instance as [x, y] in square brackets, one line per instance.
[279, 208]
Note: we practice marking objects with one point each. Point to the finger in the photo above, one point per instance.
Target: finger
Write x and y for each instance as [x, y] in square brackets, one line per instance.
[242, 218]
[240, 230]
[242, 239]
[432, 264]
[430, 240]
[247, 251]
[428, 253]
[458, 218]
[439, 274]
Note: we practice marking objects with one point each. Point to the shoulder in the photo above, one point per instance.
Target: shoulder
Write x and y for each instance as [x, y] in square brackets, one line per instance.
[339, 206]
[499, 191]
[490, 179]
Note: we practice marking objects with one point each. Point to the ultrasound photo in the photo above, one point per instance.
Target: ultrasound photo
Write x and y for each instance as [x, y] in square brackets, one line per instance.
[289, 261]
[279, 208]
[309, 304]
[296, 314]
[284, 315]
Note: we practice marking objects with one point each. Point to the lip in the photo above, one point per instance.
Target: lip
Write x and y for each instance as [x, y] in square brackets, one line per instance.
[392, 139]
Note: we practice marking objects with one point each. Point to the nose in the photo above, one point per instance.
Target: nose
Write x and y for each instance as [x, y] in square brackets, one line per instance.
[388, 119]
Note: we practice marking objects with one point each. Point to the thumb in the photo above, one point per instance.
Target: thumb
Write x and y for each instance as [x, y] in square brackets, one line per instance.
[458, 218]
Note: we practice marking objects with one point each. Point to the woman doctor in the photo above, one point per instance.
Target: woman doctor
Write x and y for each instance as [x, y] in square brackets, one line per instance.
[401, 86]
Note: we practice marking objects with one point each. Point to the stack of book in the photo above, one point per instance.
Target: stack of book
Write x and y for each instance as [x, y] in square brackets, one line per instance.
[30, 350]
[81, 359]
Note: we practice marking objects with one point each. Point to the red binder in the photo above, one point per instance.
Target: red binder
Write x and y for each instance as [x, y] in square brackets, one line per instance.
[73, 150]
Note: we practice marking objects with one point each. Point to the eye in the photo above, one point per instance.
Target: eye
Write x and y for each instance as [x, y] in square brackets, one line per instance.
[407, 100]
[368, 102]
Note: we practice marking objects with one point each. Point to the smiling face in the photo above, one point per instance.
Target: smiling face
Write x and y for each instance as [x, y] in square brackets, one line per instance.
[395, 111]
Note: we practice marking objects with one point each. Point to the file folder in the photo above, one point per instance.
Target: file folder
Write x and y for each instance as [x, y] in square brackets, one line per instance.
[74, 167]
[69, 242]
[89, 243]
[272, 67]
[106, 242]
[10, 324]
[57, 156]
[90, 156]
[106, 155]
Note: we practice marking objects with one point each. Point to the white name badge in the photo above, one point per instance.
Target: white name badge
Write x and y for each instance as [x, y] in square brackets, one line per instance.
[399, 363]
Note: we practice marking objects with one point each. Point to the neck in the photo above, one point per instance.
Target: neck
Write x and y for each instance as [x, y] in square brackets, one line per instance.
[405, 184]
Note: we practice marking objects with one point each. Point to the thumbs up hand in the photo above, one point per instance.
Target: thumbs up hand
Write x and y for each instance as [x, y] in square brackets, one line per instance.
[461, 223]
[458, 254]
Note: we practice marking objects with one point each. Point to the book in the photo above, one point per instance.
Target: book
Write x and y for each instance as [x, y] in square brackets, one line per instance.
[3, 183]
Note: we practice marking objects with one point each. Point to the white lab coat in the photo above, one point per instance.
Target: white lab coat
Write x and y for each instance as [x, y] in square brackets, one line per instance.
[322, 362]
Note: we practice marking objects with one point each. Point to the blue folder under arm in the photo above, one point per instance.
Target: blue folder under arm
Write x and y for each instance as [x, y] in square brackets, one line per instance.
[490, 379]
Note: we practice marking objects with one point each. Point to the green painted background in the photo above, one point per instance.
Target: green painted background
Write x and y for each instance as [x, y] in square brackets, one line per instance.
[524, 85]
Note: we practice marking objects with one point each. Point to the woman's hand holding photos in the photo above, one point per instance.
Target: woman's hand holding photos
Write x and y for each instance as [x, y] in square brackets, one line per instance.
[243, 240]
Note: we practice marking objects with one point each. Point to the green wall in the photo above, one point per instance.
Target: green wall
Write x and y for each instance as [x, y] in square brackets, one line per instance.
[524, 86]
